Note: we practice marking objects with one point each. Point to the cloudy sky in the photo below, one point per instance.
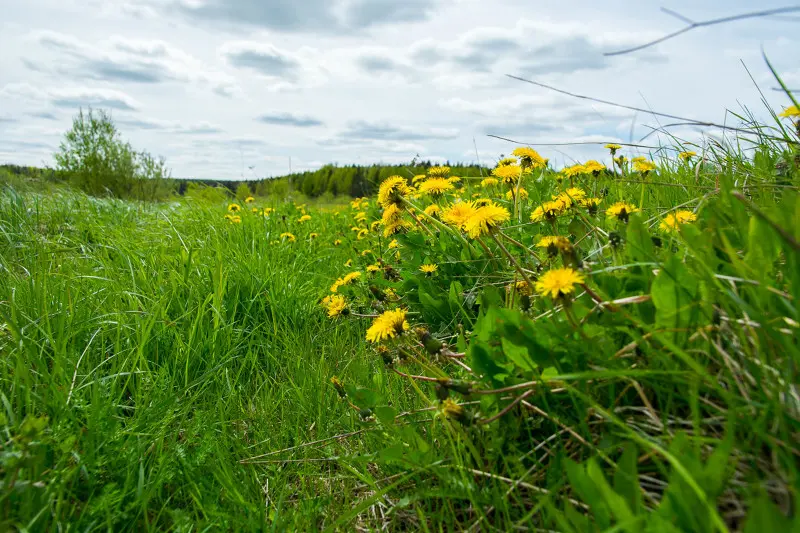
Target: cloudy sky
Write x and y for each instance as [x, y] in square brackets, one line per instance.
[230, 88]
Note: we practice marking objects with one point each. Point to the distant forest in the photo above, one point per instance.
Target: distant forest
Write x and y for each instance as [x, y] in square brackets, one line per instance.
[333, 180]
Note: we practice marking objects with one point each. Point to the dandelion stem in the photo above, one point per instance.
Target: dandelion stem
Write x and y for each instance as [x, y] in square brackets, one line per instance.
[418, 221]
[412, 376]
[489, 252]
[512, 259]
[516, 242]
[507, 408]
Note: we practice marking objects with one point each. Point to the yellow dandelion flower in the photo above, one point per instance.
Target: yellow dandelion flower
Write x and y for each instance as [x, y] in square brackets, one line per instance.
[374, 224]
[419, 177]
[548, 210]
[345, 280]
[558, 282]
[432, 210]
[521, 287]
[348, 263]
[555, 241]
[313, 235]
[288, 236]
[451, 409]
[394, 244]
[644, 166]
[594, 167]
[304, 218]
[687, 155]
[388, 325]
[392, 190]
[508, 173]
[397, 226]
[590, 204]
[366, 253]
[267, 211]
[435, 186]
[672, 221]
[522, 193]
[373, 268]
[638, 158]
[528, 157]
[574, 170]
[439, 172]
[429, 268]
[611, 147]
[255, 210]
[570, 196]
[249, 200]
[235, 219]
[790, 112]
[391, 213]
[234, 208]
[458, 213]
[489, 182]
[337, 242]
[621, 210]
[360, 217]
[335, 304]
[486, 218]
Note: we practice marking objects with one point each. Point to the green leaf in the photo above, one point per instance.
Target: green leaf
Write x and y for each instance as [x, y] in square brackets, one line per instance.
[639, 244]
[614, 501]
[765, 517]
[626, 478]
[674, 293]
[588, 492]
[763, 247]
[435, 306]
[455, 298]
[385, 415]
[518, 354]
[361, 397]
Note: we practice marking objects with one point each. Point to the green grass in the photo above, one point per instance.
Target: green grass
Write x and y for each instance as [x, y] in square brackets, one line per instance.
[163, 346]
[161, 369]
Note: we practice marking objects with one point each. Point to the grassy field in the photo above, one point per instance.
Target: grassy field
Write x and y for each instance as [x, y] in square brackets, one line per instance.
[173, 366]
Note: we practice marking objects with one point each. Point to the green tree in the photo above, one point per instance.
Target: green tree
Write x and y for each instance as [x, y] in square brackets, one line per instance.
[94, 157]
[243, 192]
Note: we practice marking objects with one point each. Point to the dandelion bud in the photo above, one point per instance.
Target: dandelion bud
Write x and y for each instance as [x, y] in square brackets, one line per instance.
[452, 410]
[339, 386]
[383, 351]
[442, 392]
[614, 239]
[432, 345]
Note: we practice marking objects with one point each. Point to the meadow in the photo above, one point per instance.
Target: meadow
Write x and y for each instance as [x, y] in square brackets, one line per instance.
[595, 348]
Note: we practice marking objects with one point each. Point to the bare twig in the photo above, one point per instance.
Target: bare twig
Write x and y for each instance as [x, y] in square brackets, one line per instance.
[631, 108]
[694, 25]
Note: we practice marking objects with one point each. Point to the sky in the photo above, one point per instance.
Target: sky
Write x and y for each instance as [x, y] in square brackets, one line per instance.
[225, 89]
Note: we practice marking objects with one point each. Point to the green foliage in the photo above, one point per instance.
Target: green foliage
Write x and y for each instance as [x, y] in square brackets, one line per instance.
[94, 157]
[243, 192]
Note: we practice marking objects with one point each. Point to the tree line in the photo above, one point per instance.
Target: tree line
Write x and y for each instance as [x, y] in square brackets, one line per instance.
[93, 157]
